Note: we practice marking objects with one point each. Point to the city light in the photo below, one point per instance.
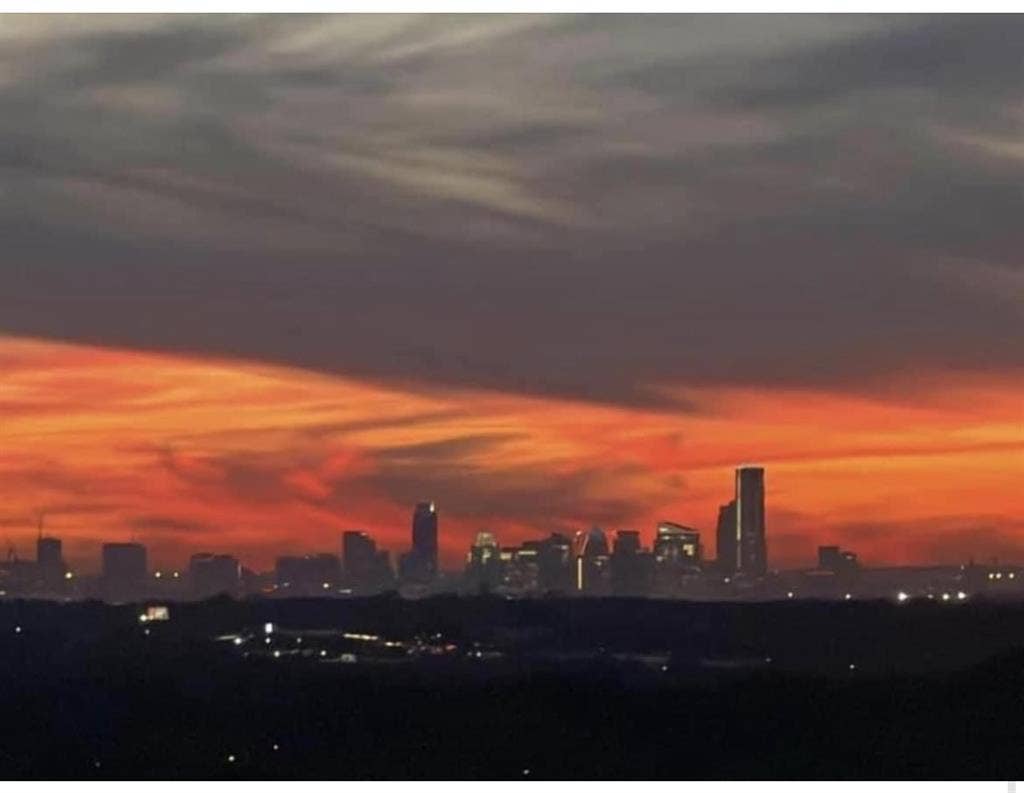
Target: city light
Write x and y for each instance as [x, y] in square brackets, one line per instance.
[945, 596]
[268, 627]
[961, 596]
[789, 594]
[902, 597]
[69, 575]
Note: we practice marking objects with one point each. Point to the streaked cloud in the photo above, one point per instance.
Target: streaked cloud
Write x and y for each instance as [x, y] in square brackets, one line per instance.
[590, 207]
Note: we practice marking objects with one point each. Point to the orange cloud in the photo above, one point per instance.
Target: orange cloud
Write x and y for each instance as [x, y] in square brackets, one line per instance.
[190, 454]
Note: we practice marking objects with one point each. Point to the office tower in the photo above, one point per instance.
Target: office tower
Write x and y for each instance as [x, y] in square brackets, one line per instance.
[677, 544]
[752, 556]
[555, 564]
[726, 537]
[483, 563]
[212, 574]
[124, 570]
[677, 557]
[419, 566]
[630, 566]
[50, 562]
[359, 558]
[591, 551]
[313, 574]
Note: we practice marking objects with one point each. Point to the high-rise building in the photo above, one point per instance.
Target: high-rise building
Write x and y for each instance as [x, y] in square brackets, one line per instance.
[752, 554]
[592, 563]
[50, 561]
[420, 564]
[677, 544]
[630, 566]
[555, 564]
[359, 558]
[677, 557]
[483, 563]
[726, 537]
[212, 574]
[124, 570]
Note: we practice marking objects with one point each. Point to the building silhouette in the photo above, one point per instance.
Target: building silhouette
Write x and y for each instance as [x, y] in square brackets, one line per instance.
[555, 564]
[212, 574]
[312, 574]
[50, 567]
[419, 566]
[677, 555]
[752, 554]
[366, 568]
[630, 565]
[835, 559]
[726, 548]
[483, 564]
[592, 562]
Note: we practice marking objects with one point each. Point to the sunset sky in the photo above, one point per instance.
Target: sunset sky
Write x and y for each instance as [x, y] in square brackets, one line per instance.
[264, 279]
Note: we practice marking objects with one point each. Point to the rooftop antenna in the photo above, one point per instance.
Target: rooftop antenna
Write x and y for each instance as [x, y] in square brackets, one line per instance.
[39, 524]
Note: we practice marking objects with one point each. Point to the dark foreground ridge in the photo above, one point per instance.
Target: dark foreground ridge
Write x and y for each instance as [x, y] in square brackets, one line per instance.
[490, 688]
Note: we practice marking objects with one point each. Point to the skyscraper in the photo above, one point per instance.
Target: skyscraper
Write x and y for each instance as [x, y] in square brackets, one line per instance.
[419, 566]
[630, 565]
[591, 550]
[726, 537]
[752, 555]
[359, 558]
[483, 563]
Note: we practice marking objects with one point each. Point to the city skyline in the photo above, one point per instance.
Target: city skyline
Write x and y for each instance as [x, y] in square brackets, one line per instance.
[269, 279]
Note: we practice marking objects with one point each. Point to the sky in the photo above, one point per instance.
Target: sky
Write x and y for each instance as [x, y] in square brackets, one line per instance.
[265, 279]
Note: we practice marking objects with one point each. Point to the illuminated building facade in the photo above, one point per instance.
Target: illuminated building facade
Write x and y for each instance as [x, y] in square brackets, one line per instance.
[592, 562]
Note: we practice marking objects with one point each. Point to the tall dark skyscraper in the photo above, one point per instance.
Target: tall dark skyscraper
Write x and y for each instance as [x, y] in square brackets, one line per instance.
[420, 564]
[726, 537]
[752, 554]
[366, 568]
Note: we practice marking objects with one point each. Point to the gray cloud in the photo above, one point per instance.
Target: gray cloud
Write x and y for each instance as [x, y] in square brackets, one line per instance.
[594, 207]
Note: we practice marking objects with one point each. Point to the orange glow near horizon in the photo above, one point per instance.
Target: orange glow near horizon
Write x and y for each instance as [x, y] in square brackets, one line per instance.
[191, 454]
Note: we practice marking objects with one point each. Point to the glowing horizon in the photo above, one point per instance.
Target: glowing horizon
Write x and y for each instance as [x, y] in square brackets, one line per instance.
[190, 455]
